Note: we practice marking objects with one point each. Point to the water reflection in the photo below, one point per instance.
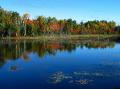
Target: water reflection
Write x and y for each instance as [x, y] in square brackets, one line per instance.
[63, 64]
[11, 50]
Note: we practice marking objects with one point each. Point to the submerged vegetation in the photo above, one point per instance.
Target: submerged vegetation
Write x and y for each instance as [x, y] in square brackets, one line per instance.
[80, 77]
[14, 25]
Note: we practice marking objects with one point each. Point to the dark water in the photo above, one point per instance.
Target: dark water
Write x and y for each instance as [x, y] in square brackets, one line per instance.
[63, 64]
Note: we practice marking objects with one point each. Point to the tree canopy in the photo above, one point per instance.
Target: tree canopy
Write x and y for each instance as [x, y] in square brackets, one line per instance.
[12, 24]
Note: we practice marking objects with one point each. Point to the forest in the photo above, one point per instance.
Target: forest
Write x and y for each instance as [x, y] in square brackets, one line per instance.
[14, 25]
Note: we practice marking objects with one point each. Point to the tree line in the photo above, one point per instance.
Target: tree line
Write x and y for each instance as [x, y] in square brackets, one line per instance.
[13, 25]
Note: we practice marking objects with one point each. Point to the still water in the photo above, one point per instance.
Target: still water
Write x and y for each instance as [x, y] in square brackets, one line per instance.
[63, 64]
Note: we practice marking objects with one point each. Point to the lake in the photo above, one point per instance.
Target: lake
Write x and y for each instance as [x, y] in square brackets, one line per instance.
[59, 64]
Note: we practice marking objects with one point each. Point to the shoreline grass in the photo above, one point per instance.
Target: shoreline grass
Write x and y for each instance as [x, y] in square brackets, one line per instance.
[61, 37]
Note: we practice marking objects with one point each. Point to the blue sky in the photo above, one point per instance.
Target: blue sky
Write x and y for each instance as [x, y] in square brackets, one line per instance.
[80, 10]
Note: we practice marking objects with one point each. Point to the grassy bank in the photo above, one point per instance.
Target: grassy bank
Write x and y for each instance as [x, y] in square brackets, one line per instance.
[50, 37]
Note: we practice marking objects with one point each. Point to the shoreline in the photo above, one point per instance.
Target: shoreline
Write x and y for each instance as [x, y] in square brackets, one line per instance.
[51, 37]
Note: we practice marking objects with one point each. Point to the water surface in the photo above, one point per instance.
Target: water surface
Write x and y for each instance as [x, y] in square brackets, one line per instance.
[63, 64]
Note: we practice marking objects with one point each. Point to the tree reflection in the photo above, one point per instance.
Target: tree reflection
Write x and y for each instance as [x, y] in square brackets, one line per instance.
[11, 50]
